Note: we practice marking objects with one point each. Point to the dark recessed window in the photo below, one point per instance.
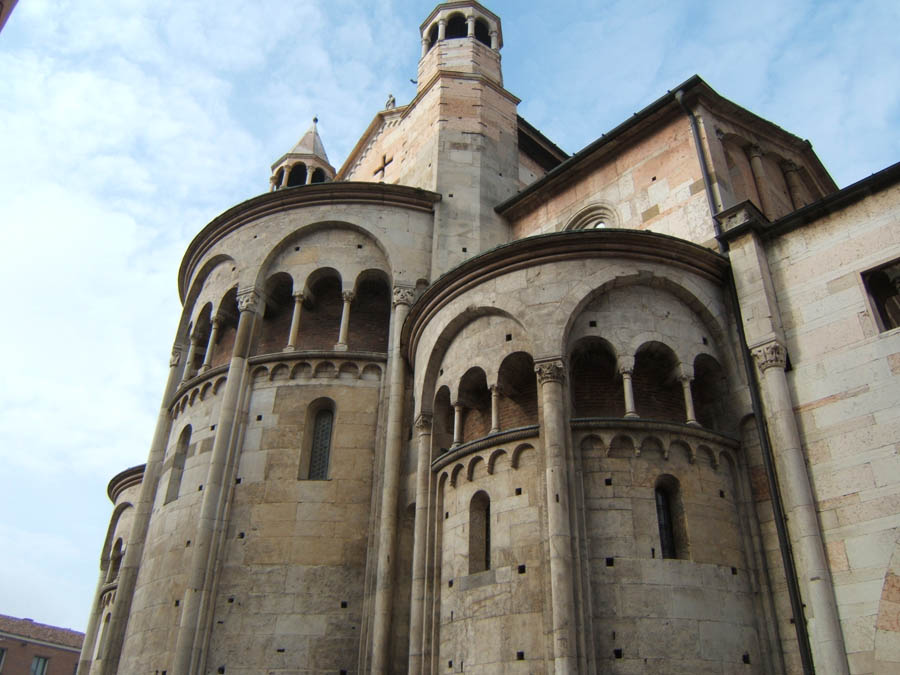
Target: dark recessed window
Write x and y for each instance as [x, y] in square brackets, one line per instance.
[883, 287]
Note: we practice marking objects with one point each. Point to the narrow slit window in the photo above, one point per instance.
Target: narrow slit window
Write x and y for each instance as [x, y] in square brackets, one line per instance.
[480, 533]
[321, 445]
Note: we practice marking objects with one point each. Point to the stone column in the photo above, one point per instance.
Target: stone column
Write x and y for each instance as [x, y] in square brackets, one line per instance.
[495, 40]
[189, 370]
[470, 26]
[417, 597]
[550, 375]
[211, 344]
[309, 173]
[294, 336]
[286, 176]
[442, 29]
[457, 423]
[626, 370]
[686, 376]
[197, 597]
[425, 43]
[131, 561]
[387, 530]
[795, 185]
[495, 409]
[90, 633]
[341, 345]
[800, 506]
[759, 178]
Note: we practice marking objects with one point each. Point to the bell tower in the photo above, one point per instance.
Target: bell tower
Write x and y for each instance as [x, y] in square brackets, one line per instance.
[473, 129]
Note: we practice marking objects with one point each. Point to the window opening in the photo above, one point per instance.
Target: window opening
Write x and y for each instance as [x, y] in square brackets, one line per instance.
[670, 515]
[456, 27]
[39, 665]
[480, 533]
[482, 32]
[178, 461]
[666, 530]
[321, 445]
[883, 287]
[297, 176]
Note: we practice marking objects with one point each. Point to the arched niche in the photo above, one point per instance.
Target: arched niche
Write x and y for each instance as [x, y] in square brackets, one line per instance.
[320, 320]
[596, 384]
[274, 329]
[658, 394]
[517, 391]
[370, 312]
[476, 401]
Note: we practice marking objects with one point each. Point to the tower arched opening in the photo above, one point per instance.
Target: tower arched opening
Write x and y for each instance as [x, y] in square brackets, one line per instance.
[177, 471]
[200, 335]
[597, 389]
[276, 322]
[517, 396]
[433, 35]
[115, 561]
[476, 401]
[456, 27]
[482, 32]
[279, 178]
[318, 175]
[658, 394]
[297, 176]
[320, 322]
[370, 313]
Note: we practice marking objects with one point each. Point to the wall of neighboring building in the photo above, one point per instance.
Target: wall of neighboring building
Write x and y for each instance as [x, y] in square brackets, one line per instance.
[844, 386]
[20, 655]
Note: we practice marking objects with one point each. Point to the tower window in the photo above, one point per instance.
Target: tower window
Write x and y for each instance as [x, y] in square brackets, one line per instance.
[320, 442]
[456, 27]
[297, 176]
[318, 176]
[432, 35]
[670, 515]
[482, 32]
[883, 287]
[480, 533]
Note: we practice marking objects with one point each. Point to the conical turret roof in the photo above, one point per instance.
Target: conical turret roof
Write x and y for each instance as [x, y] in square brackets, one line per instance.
[311, 143]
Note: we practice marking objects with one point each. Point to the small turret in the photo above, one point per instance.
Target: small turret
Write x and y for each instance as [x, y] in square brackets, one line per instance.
[306, 163]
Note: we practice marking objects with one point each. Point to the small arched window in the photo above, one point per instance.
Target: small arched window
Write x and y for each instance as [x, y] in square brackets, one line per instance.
[480, 533]
[178, 459]
[433, 35]
[482, 32]
[297, 176]
[320, 448]
[670, 515]
[318, 175]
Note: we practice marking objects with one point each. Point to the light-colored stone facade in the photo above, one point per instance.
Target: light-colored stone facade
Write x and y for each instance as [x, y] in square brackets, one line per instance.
[468, 404]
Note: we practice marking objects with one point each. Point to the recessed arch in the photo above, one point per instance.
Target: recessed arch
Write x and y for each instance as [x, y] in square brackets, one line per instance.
[473, 463]
[482, 32]
[658, 394]
[598, 215]
[456, 26]
[518, 453]
[297, 175]
[517, 397]
[106, 551]
[495, 456]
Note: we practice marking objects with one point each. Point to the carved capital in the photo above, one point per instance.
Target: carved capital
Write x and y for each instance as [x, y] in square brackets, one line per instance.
[423, 423]
[348, 296]
[550, 371]
[626, 365]
[404, 295]
[217, 322]
[298, 296]
[770, 355]
[789, 167]
[248, 300]
[754, 151]
[175, 359]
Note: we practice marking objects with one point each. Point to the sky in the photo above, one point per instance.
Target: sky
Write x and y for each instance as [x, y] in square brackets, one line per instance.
[127, 125]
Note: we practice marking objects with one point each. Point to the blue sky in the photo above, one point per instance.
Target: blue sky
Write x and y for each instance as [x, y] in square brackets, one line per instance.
[126, 126]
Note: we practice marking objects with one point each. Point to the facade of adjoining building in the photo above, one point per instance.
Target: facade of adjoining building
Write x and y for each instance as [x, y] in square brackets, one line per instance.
[27, 646]
[470, 404]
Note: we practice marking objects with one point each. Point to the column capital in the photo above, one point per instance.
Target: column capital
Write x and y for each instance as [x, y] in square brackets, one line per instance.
[404, 295]
[217, 321]
[684, 372]
[625, 365]
[423, 423]
[298, 296]
[248, 300]
[175, 359]
[550, 371]
[770, 355]
[348, 296]
[754, 150]
[789, 167]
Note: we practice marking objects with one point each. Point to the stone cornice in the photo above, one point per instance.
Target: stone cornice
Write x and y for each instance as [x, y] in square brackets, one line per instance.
[558, 247]
[460, 451]
[317, 194]
[123, 480]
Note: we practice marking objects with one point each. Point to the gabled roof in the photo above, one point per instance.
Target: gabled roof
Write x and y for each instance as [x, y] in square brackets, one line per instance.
[40, 632]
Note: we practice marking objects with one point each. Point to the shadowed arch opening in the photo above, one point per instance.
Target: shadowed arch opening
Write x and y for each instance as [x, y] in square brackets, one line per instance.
[318, 175]
[115, 561]
[320, 321]
[518, 401]
[596, 384]
[200, 334]
[442, 425]
[279, 178]
[476, 401]
[370, 313]
[432, 35]
[658, 394]
[709, 390]
[670, 517]
[456, 27]
[276, 322]
[482, 32]
[479, 532]
[297, 176]
[227, 316]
